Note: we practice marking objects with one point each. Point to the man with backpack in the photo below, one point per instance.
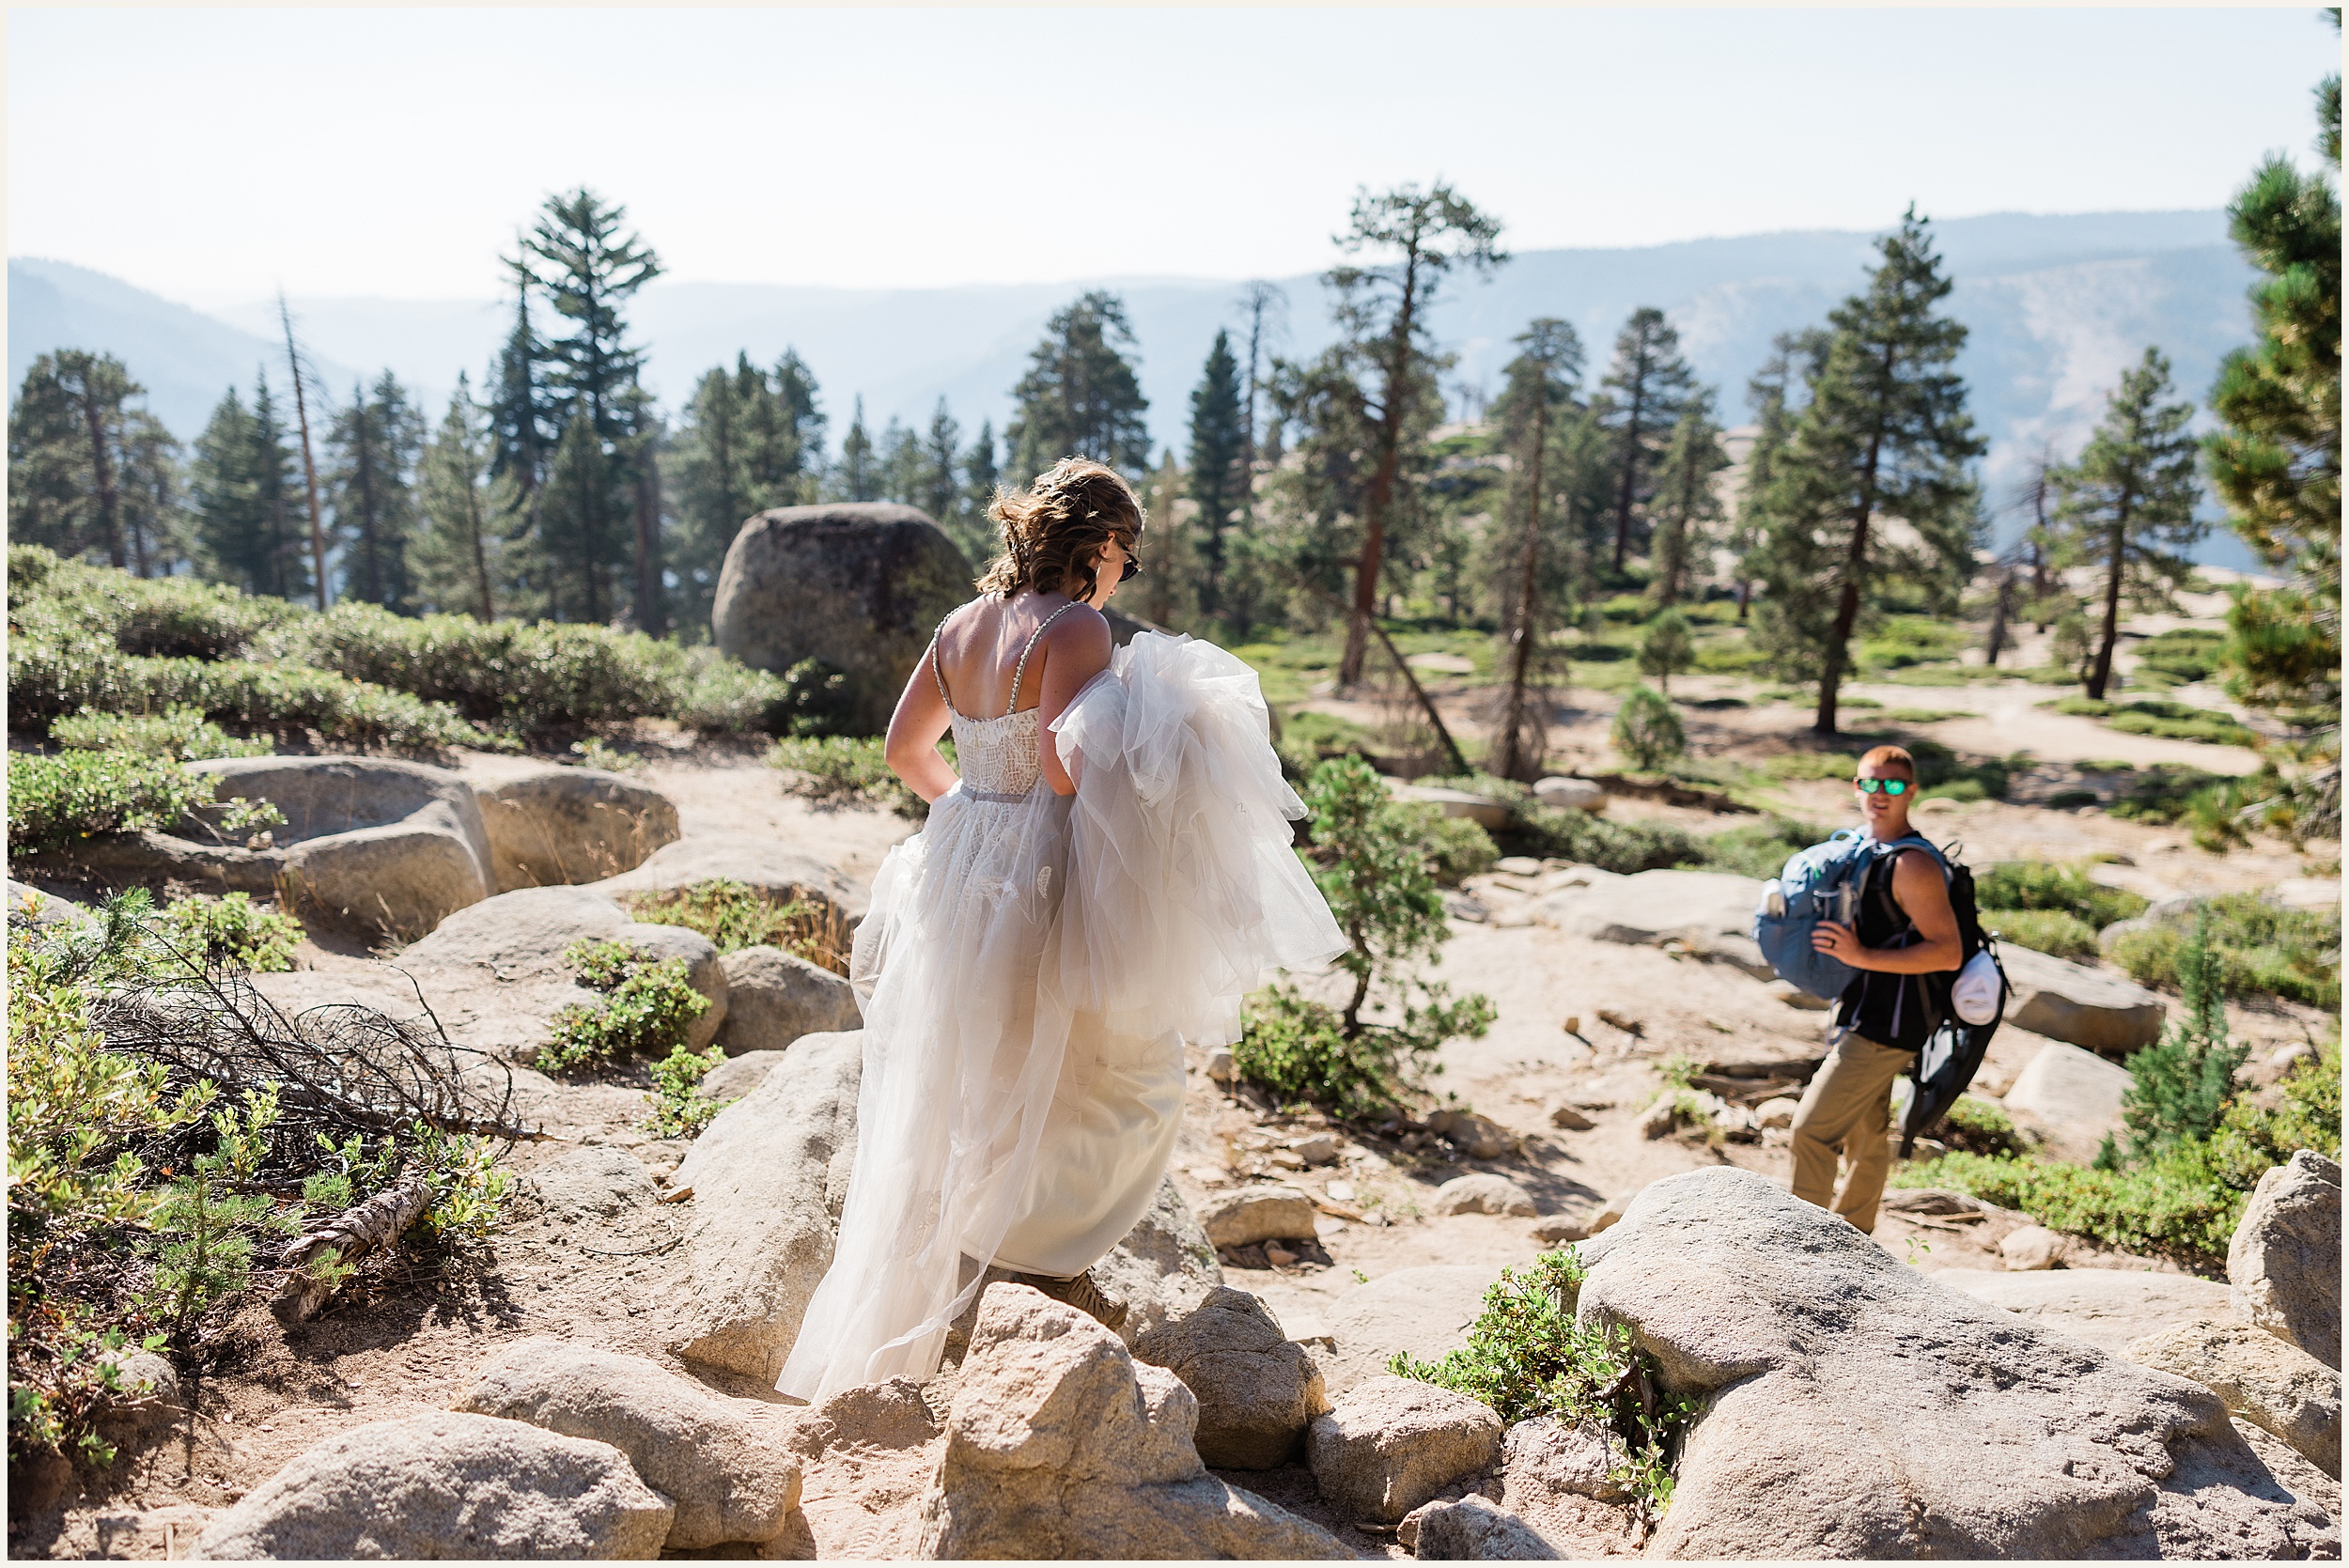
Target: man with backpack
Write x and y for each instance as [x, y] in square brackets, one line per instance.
[1904, 941]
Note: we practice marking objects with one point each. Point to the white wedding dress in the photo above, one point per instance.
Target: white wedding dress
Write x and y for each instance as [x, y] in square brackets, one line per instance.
[1030, 970]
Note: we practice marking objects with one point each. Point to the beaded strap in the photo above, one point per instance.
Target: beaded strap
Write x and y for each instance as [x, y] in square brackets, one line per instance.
[1023, 669]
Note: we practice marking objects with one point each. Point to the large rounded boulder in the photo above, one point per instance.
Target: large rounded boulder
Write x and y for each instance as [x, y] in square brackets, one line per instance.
[858, 586]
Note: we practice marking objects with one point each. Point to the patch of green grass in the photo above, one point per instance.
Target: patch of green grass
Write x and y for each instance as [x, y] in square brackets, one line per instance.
[734, 915]
[1861, 702]
[1980, 1127]
[2040, 885]
[1760, 849]
[1949, 675]
[840, 770]
[1903, 642]
[2262, 951]
[1925, 715]
[2154, 716]
[2054, 932]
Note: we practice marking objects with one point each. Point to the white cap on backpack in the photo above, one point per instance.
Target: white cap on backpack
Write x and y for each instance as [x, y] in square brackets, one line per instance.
[1974, 997]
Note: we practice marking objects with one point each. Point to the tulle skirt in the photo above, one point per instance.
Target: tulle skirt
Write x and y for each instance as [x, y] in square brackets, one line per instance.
[1030, 970]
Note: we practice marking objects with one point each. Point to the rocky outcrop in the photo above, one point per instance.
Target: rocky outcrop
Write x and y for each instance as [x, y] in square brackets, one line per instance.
[767, 1178]
[1480, 1194]
[2283, 1266]
[1250, 1214]
[557, 825]
[2103, 1013]
[1471, 1530]
[773, 997]
[759, 861]
[2274, 1386]
[1854, 1407]
[1655, 907]
[1424, 1311]
[721, 1462]
[1257, 1389]
[447, 1485]
[2109, 1307]
[2033, 1247]
[1561, 793]
[1060, 1445]
[1390, 1443]
[1164, 1268]
[1484, 810]
[2071, 1097]
[858, 586]
[867, 1454]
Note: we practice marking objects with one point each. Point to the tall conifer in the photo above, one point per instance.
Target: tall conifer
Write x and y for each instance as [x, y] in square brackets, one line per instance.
[371, 452]
[1080, 395]
[244, 489]
[1646, 384]
[1539, 395]
[1218, 446]
[468, 512]
[1688, 507]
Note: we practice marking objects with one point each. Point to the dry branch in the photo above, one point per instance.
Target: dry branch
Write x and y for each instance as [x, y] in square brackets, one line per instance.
[378, 1223]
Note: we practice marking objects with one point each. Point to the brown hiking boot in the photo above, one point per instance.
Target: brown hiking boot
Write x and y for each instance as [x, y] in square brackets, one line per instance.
[1081, 1293]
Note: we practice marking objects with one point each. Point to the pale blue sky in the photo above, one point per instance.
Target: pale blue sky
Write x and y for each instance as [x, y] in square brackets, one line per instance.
[213, 155]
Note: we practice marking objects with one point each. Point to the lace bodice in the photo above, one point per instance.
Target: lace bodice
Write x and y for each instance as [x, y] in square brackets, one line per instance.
[1001, 755]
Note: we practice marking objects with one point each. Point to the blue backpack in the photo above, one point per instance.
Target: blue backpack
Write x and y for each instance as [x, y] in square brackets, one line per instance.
[1819, 883]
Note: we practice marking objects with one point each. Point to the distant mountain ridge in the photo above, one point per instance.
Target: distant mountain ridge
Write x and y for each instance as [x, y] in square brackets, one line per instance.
[2058, 305]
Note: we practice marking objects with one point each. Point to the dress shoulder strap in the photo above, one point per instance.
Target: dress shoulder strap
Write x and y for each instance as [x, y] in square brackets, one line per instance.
[937, 674]
[1013, 707]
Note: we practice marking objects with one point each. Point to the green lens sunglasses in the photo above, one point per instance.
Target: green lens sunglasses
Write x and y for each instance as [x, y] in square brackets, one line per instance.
[1890, 786]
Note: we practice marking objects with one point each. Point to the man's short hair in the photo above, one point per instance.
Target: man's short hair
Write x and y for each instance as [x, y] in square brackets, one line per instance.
[1892, 758]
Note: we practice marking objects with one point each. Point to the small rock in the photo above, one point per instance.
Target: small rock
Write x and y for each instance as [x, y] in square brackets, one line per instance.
[1565, 1456]
[2283, 1266]
[1257, 1389]
[1391, 1443]
[1615, 1211]
[1556, 1230]
[1250, 1214]
[1482, 1194]
[1221, 1065]
[1518, 865]
[2296, 1051]
[1566, 1116]
[2276, 1387]
[1569, 794]
[1778, 1112]
[1278, 1255]
[1475, 1530]
[1342, 1191]
[2071, 1094]
[1796, 997]
[1320, 1148]
[2091, 1008]
[1287, 1159]
[2033, 1247]
[737, 1076]
[773, 998]
[447, 1485]
[1477, 1137]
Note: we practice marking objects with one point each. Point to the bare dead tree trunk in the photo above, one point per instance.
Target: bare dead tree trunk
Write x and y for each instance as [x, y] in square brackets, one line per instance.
[376, 1225]
[309, 467]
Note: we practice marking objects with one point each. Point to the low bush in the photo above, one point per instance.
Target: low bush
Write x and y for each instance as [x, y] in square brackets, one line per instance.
[1528, 1355]
[1647, 729]
[2058, 933]
[1980, 1127]
[2261, 950]
[678, 1108]
[1760, 849]
[840, 770]
[1551, 832]
[2041, 885]
[648, 1007]
[232, 932]
[56, 801]
[183, 733]
[2179, 657]
[734, 915]
[2172, 720]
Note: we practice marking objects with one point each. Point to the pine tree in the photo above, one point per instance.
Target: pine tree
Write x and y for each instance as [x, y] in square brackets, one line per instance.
[1884, 434]
[2129, 501]
[1080, 396]
[468, 511]
[2276, 462]
[1539, 392]
[644, 441]
[796, 468]
[945, 495]
[859, 477]
[1265, 305]
[154, 518]
[1687, 506]
[980, 478]
[1381, 312]
[1793, 366]
[242, 486]
[728, 421]
[371, 452]
[1219, 444]
[903, 480]
[1169, 547]
[588, 268]
[70, 457]
[1647, 384]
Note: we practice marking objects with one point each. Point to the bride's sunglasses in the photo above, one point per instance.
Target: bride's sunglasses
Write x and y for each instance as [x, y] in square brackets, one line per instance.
[1890, 786]
[1133, 570]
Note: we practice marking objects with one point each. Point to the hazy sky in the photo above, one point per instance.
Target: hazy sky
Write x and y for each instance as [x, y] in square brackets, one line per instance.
[213, 155]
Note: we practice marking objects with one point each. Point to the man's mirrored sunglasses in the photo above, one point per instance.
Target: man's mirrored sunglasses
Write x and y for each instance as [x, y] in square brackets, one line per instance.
[1890, 786]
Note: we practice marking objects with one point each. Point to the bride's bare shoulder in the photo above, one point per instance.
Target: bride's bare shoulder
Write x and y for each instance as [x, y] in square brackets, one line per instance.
[1081, 633]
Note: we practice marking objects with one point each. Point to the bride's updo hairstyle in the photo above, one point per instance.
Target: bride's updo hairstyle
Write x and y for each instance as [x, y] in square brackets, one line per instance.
[1053, 530]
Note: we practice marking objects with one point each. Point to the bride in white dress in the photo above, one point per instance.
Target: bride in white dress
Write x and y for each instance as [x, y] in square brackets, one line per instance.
[1035, 959]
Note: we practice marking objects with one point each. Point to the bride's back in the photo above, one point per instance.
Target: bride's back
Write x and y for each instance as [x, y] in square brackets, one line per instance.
[979, 650]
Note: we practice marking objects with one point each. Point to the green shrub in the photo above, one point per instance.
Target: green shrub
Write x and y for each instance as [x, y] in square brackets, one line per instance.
[183, 733]
[55, 802]
[2058, 933]
[2172, 720]
[734, 915]
[2183, 656]
[205, 1225]
[844, 770]
[1528, 1356]
[1760, 849]
[1624, 847]
[2261, 951]
[2180, 1087]
[2040, 885]
[232, 932]
[1668, 647]
[648, 1007]
[1457, 847]
[1980, 1127]
[1374, 866]
[1647, 730]
[1902, 640]
[678, 1110]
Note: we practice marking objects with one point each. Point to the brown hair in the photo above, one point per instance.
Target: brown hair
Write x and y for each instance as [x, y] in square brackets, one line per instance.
[1890, 756]
[1053, 530]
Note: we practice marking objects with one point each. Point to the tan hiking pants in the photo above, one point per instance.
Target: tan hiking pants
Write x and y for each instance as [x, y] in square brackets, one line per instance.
[1847, 1107]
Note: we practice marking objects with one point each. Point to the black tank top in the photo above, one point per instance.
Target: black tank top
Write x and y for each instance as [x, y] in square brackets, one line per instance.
[1898, 1010]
